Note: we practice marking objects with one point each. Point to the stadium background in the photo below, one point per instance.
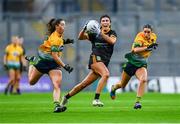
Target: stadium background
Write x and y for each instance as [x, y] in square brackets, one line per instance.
[27, 18]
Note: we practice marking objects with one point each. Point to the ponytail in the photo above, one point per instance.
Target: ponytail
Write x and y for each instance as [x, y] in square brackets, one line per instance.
[51, 25]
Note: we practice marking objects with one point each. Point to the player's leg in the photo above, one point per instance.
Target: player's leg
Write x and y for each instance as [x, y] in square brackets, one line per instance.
[17, 81]
[56, 78]
[141, 75]
[90, 78]
[121, 84]
[11, 81]
[33, 75]
[102, 70]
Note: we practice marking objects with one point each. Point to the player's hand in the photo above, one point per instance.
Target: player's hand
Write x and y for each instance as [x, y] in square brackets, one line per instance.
[96, 30]
[61, 48]
[5, 67]
[24, 68]
[85, 26]
[68, 68]
[152, 46]
[68, 41]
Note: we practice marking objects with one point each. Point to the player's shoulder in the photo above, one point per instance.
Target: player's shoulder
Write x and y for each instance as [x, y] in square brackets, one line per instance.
[153, 34]
[112, 32]
[140, 34]
[9, 46]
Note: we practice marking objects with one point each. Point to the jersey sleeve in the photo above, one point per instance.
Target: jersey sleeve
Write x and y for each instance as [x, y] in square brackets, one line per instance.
[154, 38]
[113, 33]
[92, 36]
[138, 42]
[55, 44]
[7, 50]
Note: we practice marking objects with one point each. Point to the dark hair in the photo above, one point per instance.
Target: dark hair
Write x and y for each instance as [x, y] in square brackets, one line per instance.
[103, 16]
[51, 25]
[148, 26]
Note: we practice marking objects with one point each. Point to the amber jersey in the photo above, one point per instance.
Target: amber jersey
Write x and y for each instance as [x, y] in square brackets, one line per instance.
[13, 53]
[100, 47]
[141, 41]
[52, 44]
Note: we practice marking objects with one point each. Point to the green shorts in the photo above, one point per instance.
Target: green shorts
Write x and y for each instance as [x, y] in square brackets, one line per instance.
[135, 62]
[13, 65]
[131, 69]
[44, 66]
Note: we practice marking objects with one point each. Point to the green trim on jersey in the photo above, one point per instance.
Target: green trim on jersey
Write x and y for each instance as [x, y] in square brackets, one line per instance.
[135, 44]
[45, 56]
[136, 60]
[54, 49]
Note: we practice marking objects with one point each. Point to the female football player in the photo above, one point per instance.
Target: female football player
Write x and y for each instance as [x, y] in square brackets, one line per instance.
[12, 58]
[102, 40]
[22, 66]
[49, 61]
[142, 47]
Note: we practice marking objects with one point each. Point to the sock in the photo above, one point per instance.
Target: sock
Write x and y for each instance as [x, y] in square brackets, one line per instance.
[138, 98]
[96, 96]
[56, 103]
[67, 96]
[11, 89]
[18, 91]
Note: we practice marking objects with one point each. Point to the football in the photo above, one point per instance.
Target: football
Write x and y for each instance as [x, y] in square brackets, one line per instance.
[92, 27]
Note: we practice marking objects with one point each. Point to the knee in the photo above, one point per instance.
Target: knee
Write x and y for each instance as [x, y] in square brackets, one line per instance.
[56, 85]
[106, 75]
[17, 79]
[31, 81]
[122, 86]
[143, 81]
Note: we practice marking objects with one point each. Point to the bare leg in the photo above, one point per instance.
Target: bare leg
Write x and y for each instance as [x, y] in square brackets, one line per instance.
[141, 75]
[102, 70]
[56, 78]
[33, 75]
[123, 82]
[11, 81]
[17, 79]
[90, 78]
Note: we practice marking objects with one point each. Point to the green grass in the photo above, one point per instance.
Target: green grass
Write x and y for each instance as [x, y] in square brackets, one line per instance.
[38, 107]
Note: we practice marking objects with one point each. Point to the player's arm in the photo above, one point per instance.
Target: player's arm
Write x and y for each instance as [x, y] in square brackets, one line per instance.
[67, 67]
[138, 44]
[109, 39]
[83, 35]
[57, 59]
[5, 59]
[5, 56]
[54, 53]
[23, 60]
[138, 48]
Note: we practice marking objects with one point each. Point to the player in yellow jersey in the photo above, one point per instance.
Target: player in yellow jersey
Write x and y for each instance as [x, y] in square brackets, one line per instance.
[13, 56]
[144, 44]
[22, 66]
[49, 60]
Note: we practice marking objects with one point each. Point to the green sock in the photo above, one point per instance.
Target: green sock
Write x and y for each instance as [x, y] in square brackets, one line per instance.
[138, 98]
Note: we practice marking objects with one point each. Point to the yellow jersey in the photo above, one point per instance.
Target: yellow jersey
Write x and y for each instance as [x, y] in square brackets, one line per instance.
[13, 53]
[141, 41]
[52, 44]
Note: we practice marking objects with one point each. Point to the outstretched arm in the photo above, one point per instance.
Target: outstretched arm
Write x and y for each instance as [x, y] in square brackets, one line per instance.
[109, 39]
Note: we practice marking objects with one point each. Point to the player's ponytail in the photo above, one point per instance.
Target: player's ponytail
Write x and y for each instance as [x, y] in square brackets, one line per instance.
[51, 25]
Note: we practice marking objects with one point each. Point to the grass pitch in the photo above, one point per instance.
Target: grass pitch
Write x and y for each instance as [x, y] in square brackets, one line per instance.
[38, 108]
